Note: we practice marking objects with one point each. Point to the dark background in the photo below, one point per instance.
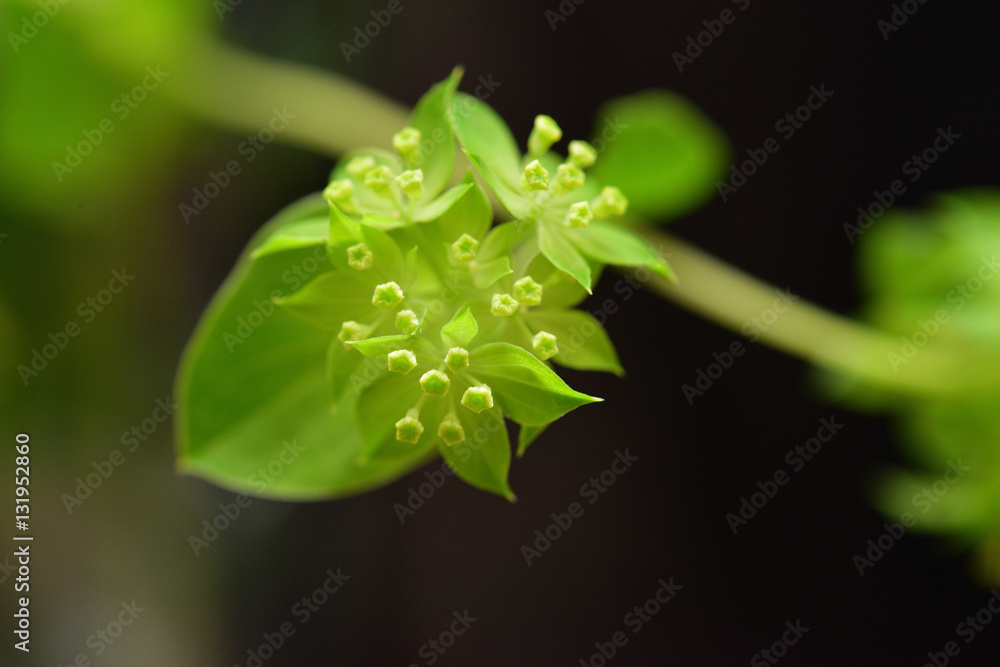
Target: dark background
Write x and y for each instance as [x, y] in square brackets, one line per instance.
[663, 518]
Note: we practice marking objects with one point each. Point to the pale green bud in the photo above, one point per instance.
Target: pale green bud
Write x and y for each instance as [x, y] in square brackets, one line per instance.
[478, 399]
[435, 383]
[464, 249]
[387, 295]
[457, 359]
[568, 178]
[379, 180]
[503, 305]
[451, 432]
[544, 133]
[544, 345]
[579, 215]
[352, 331]
[402, 361]
[611, 202]
[407, 321]
[407, 144]
[535, 177]
[409, 429]
[360, 257]
[341, 194]
[411, 183]
[528, 292]
[582, 154]
[360, 165]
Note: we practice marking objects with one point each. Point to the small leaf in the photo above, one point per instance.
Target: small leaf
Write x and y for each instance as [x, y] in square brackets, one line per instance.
[431, 117]
[609, 243]
[304, 233]
[439, 206]
[564, 255]
[471, 214]
[558, 287]
[507, 191]
[666, 156]
[583, 343]
[379, 407]
[528, 391]
[482, 131]
[346, 370]
[461, 330]
[483, 458]
[331, 299]
[485, 274]
[527, 435]
[382, 345]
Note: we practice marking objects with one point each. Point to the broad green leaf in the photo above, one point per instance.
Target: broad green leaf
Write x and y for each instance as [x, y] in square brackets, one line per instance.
[527, 390]
[306, 232]
[564, 255]
[661, 151]
[482, 132]
[248, 395]
[507, 191]
[461, 330]
[437, 207]
[558, 287]
[348, 371]
[485, 274]
[583, 343]
[383, 345]
[483, 459]
[331, 299]
[527, 435]
[342, 228]
[609, 243]
[380, 406]
[471, 214]
[431, 117]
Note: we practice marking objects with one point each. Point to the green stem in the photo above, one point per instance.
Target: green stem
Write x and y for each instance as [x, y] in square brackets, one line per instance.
[730, 297]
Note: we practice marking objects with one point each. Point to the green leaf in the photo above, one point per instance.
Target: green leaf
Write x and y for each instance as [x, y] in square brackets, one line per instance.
[331, 299]
[342, 228]
[383, 345]
[662, 152]
[471, 214]
[507, 191]
[583, 343]
[482, 131]
[431, 117]
[347, 370]
[302, 233]
[461, 330]
[483, 458]
[527, 390]
[485, 274]
[527, 435]
[247, 397]
[437, 207]
[564, 255]
[609, 243]
[558, 287]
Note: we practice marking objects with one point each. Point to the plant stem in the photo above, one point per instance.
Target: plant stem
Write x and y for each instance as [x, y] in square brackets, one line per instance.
[730, 297]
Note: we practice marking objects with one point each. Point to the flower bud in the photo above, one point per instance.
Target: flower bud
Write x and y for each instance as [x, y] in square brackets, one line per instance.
[351, 331]
[544, 345]
[435, 383]
[407, 321]
[360, 257]
[545, 133]
[457, 359]
[409, 429]
[387, 295]
[568, 178]
[581, 154]
[451, 432]
[407, 144]
[379, 181]
[611, 202]
[402, 361]
[360, 165]
[411, 183]
[579, 215]
[535, 177]
[478, 399]
[341, 194]
[503, 305]
[528, 292]
[464, 249]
